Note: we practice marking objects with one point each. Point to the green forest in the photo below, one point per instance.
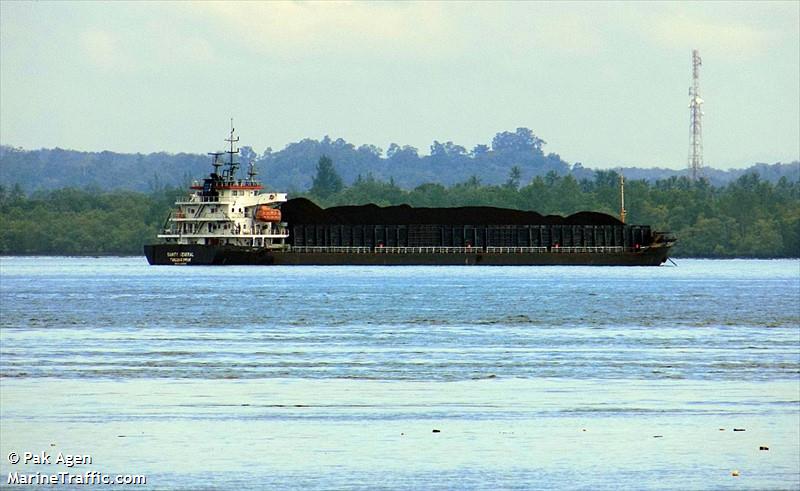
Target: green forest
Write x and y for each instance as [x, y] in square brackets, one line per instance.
[292, 168]
[748, 217]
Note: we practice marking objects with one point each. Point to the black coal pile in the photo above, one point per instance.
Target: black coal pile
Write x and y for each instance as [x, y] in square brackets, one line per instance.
[300, 211]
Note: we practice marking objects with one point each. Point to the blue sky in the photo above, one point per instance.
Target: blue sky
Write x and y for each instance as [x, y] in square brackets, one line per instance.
[603, 83]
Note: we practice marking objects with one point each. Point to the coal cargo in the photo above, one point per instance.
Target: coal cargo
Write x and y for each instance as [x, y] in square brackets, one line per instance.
[403, 226]
[303, 211]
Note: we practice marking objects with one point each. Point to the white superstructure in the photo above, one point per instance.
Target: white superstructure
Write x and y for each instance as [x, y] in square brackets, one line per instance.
[223, 210]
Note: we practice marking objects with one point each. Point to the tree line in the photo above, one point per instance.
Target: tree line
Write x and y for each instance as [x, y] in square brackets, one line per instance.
[88, 221]
[446, 163]
[748, 217]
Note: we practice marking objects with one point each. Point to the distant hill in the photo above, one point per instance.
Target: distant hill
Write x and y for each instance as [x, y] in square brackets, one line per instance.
[293, 167]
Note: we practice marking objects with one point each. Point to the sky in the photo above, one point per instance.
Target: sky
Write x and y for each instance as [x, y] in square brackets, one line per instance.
[604, 84]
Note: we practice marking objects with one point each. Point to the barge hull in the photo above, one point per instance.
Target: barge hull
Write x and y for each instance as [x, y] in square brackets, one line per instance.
[190, 254]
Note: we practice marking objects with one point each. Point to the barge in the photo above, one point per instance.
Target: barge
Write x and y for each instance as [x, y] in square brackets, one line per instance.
[230, 221]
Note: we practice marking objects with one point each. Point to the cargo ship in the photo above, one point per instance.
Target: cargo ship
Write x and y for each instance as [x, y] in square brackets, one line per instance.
[226, 220]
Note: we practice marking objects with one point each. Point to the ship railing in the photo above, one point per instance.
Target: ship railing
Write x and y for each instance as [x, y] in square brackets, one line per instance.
[388, 250]
[223, 235]
[261, 233]
[331, 249]
[514, 250]
[427, 250]
[274, 231]
[207, 217]
[458, 250]
[242, 182]
[199, 199]
[592, 249]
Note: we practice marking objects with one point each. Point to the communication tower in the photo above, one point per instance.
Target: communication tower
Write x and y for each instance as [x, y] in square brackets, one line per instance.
[695, 120]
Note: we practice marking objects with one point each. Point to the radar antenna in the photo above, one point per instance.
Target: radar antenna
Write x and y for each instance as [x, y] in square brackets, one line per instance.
[216, 163]
[252, 172]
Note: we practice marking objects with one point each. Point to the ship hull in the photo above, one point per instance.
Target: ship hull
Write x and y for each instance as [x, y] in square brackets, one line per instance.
[205, 255]
[191, 254]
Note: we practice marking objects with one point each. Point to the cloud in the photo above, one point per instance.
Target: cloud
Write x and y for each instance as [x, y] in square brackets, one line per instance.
[292, 28]
[725, 38]
[102, 48]
[151, 46]
[168, 42]
[563, 32]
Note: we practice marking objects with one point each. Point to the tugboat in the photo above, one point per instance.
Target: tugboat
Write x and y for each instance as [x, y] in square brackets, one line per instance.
[226, 220]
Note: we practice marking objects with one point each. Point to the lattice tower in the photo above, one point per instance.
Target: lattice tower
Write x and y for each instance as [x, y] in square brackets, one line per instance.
[695, 120]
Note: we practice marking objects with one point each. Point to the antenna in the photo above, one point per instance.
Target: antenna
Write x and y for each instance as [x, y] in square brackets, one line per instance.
[622, 211]
[251, 172]
[695, 120]
[232, 166]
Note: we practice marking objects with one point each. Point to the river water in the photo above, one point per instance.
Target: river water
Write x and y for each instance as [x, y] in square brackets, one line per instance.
[337, 377]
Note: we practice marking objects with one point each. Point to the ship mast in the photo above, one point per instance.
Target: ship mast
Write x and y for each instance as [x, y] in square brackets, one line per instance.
[622, 211]
[232, 165]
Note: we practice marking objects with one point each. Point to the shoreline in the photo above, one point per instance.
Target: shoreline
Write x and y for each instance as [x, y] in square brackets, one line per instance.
[122, 255]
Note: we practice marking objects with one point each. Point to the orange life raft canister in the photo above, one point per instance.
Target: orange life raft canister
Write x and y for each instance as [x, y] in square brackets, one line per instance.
[267, 214]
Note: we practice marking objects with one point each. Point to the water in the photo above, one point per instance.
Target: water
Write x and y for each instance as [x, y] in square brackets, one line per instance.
[336, 377]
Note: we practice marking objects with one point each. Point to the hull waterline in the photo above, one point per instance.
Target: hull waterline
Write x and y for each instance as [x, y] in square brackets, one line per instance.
[206, 255]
